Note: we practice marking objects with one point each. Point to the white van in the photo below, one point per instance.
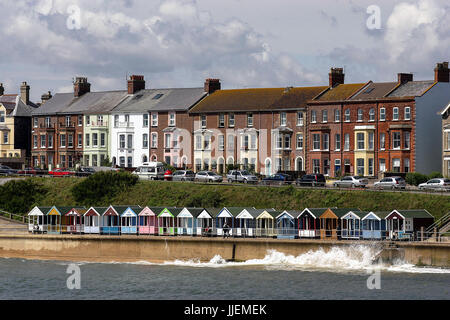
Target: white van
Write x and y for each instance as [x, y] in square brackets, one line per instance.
[151, 171]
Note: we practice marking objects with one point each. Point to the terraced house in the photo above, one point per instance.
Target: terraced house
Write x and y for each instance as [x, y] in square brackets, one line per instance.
[446, 141]
[15, 127]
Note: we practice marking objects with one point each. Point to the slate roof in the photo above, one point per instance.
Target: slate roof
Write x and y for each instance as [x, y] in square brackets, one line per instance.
[340, 92]
[15, 107]
[194, 211]
[179, 99]
[375, 91]
[257, 99]
[317, 212]
[420, 213]
[412, 89]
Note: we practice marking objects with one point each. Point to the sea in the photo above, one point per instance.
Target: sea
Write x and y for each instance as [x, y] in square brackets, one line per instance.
[340, 273]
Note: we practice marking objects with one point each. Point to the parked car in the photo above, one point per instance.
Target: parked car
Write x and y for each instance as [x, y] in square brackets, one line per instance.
[312, 180]
[351, 182]
[241, 176]
[85, 171]
[28, 171]
[390, 183]
[183, 175]
[278, 178]
[150, 171]
[438, 184]
[208, 176]
[7, 170]
[61, 173]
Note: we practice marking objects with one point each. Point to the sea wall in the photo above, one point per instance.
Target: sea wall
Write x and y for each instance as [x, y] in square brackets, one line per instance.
[159, 249]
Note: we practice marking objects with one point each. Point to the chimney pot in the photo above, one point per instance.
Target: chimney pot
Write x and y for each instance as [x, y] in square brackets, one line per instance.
[441, 72]
[404, 77]
[336, 77]
[2, 89]
[135, 84]
[81, 86]
[25, 93]
[45, 97]
[212, 85]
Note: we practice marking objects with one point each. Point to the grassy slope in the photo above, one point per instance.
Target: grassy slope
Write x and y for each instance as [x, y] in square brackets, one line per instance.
[187, 194]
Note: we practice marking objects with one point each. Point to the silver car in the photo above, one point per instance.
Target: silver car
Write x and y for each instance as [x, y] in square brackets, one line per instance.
[208, 176]
[241, 176]
[390, 183]
[183, 175]
[351, 182]
[438, 184]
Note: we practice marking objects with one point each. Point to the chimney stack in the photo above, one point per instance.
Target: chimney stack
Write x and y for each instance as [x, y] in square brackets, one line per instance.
[45, 97]
[2, 89]
[336, 77]
[25, 93]
[135, 84]
[404, 77]
[212, 85]
[441, 72]
[81, 86]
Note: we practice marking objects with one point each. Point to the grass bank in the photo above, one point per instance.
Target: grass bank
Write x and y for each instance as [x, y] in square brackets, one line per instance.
[158, 193]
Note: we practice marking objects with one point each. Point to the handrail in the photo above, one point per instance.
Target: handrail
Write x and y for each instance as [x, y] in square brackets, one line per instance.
[11, 215]
[440, 222]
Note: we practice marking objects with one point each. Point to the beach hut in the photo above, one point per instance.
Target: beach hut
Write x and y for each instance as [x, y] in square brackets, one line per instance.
[148, 222]
[373, 225]
[54, 219]
[403, 224]
[128, 220]
[246, 222]
[266, 222]
[93, 219]
[286, 224]
[37, 219]
[205, 222]
[167, 222]
[330, 222]
[110, 223]
[350, 227]
[187, 221]
[73, 221]
[308, 222]
[227, 215]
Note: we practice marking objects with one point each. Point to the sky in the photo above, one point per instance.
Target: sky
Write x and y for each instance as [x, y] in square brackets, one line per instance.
[244, 43]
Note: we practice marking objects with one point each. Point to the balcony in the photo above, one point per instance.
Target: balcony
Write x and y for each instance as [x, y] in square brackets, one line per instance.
[101, 124]
[67, 126]
[125, 125]
[48, 126]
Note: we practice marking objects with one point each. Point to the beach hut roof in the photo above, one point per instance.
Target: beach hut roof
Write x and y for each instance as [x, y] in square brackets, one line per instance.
[195, 212]
[380, 214]
[416, 213]
[80, 211]
[38, 211]
[359, 214]
[213, 212]
[339, 213]
[315, 212]
[290, 213]
[98, 210]
[235, 211]
[135, 209]
[62, 210]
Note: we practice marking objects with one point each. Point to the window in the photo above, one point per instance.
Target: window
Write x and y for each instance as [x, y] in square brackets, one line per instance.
[324, 115]
[5, 138]
[406, 165]
[70, 140]
[337, 166]
[279, 141]
[50, 141]
[283, 118]
[130, 162]
[221, 142]
[396, 165]
[102, 139]
[408, 113]
[80, 120]
[67, 121]
[396, 140]
[48, 122]
[127, 119]
[43, 140]
[360, 166]
[207, 142]
[337, 145]
[326, 166]
[382, 114]
[316, 165]
[35, 141]
[372, 114]
[313, 116]
[347, 142]
[88, 120]
[250, 120]
[198, 142]
[221, 120]
[94, 139]
[347, 115]
[154, 140]
[122, 161]
[382, 165]
[299, 141]
[371, 140]
[337, 115]
[80, 140]
[395, 114]
[230, 142]
[87, 140]
[35, 121]
[287, 141]
[122, 143]
[448, 140]
[245, 142]
[406, 137]
[171, 119]
[2, 117]
[145, 120]
[63, 160]
[382, 141]
[360, 141]
[253, 141]
[231, 120]
[94, 160]
[154, 119]
[360, 115]
[326, 141]
[316, 141]
[299, 118]
[63, 141]
[130, 141]
[167, 139]
[203, 120]
[370, 166]
[116, 120]
[145, 140]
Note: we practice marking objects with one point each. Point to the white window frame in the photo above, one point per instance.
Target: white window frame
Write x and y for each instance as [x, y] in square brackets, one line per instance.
[383, 114]
[407, 113]
[395, 114]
